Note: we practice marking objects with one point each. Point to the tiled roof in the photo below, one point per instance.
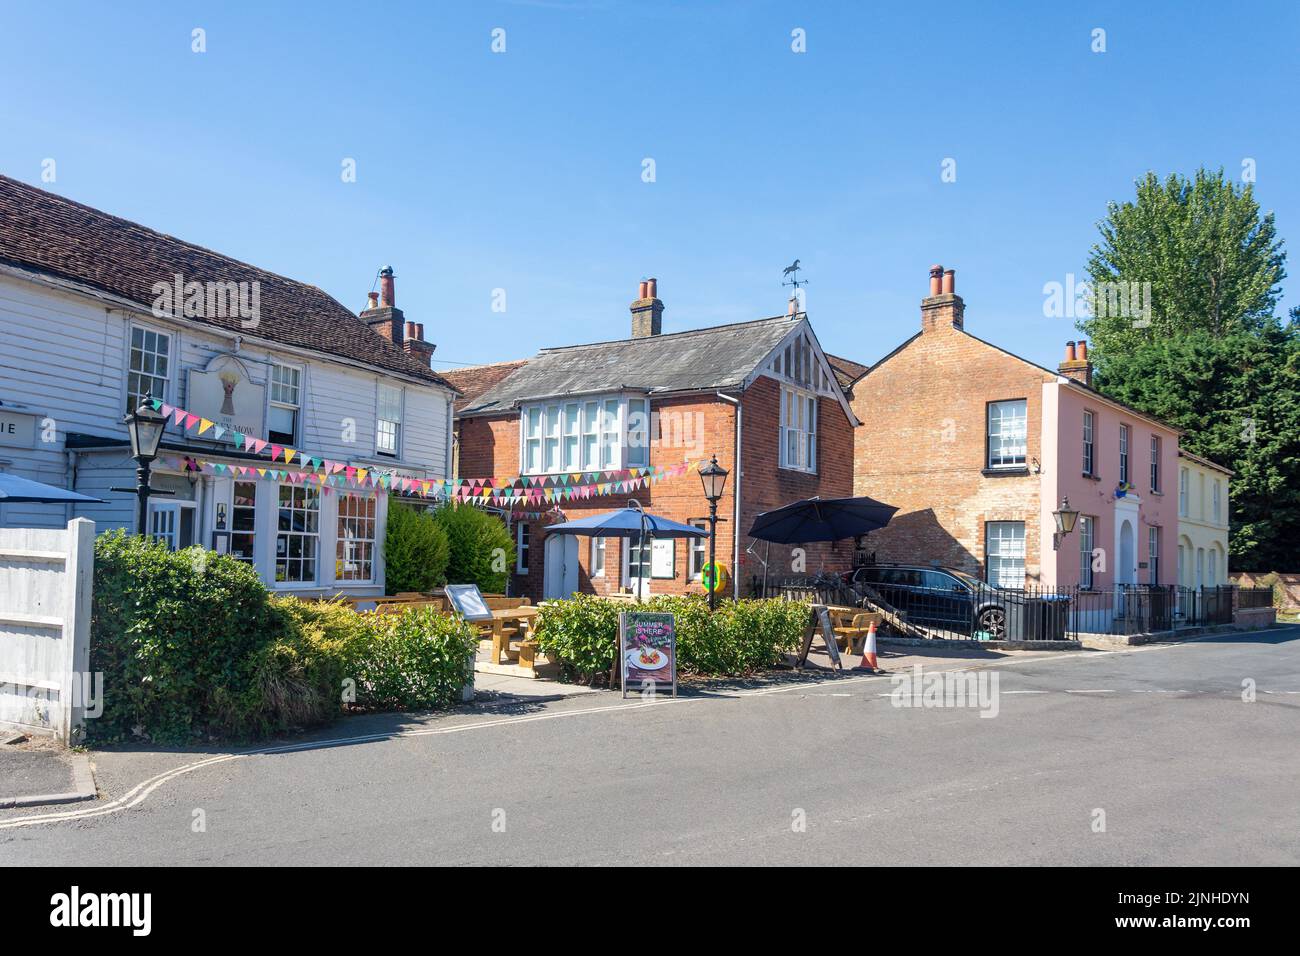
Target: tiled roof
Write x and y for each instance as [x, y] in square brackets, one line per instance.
[45, 233]
[846, 371]
[718, 357]
[474, 380]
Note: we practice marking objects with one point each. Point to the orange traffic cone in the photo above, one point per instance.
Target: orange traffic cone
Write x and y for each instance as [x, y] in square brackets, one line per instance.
[868, 662]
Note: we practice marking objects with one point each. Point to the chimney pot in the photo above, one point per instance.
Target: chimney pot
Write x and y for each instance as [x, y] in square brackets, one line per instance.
[936, 278]
[652, 288]
[647, 311]
[372, 300]
[1069, 352]
[641, 294]
[1083, 351]
[387, 294]
[949, 282]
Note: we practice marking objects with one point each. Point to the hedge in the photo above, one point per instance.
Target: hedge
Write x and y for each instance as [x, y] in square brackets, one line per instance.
[192, 646]
[416, 551]
[738, 638]
[480, 547]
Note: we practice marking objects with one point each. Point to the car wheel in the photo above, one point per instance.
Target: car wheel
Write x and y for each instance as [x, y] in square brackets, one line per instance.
[994, 621]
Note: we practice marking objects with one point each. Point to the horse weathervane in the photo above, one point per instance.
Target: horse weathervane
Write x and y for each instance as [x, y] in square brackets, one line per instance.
[792, 270]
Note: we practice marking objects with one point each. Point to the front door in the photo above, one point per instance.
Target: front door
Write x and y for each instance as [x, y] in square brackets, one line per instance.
[560, 573]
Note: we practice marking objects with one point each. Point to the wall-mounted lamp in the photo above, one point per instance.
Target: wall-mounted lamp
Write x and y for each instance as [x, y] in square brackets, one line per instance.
[1065, 521]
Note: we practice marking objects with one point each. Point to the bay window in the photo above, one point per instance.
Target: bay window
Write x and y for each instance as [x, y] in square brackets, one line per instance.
[585, 435]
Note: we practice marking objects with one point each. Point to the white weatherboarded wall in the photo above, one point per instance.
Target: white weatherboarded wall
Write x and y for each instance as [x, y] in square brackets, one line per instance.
[45, 593]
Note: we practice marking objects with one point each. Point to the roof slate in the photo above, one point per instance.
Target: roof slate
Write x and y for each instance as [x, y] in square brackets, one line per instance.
[722, 356]
[45, 233]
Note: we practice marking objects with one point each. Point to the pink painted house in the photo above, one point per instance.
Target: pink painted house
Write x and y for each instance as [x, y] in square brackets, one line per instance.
[1119, 469]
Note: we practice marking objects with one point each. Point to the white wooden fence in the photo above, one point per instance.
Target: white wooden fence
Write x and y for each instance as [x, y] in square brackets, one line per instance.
[45, 591]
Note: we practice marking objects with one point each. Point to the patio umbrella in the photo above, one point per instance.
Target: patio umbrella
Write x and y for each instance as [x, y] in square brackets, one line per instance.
[15, 488]
[628, 523]
[819, 519]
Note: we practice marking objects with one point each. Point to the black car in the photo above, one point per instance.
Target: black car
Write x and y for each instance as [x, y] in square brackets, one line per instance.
[936, 598]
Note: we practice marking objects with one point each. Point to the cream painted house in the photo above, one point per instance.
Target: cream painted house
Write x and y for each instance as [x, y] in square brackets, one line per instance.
[1202, 521]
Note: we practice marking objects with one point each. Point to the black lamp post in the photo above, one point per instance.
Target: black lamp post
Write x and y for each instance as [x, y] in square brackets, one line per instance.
[714, 478]
[146, 428]
[1065, 521]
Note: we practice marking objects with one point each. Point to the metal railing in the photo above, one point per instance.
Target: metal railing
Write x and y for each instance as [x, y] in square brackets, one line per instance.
[1031, 613]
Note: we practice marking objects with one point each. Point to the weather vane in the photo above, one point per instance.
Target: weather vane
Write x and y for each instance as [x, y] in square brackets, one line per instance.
[792, 270]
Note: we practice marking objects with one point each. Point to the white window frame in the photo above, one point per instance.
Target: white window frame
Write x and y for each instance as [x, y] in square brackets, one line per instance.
[1184, 490]
[1153, 555]
[388, 419]
[1124, 442]
[235, 509]
[522, 545]
[698, 553]
[1089, 444]
[133, 397]
[1087, 541]
[310, 493]
[596, 565]
[605, 432]
[172, 536]
[798, 428]
[1005, 438]
[994, 557]
[1156, 448]
[343, 542]
[299, 376]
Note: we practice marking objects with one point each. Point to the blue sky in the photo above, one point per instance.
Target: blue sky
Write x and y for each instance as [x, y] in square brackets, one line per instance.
[522, 170]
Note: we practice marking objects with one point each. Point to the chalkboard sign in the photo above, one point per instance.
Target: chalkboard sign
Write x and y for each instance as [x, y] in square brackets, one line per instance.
[466, 599]
[647, 652]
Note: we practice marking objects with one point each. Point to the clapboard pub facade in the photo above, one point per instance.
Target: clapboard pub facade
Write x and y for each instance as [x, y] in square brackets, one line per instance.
[978, 447]
[96, 312]
[759, 394]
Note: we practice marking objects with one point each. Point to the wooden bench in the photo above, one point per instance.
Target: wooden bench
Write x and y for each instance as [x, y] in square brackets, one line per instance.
[851, 626]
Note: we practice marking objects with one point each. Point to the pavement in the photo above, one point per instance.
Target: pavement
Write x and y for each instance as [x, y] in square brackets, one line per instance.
[1173, 754]
[36, 771]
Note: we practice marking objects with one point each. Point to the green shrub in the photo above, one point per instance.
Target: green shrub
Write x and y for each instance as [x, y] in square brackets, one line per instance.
[582, 633]
[177, 636]
[299, 679]
[481, 550]
[737, 638]
[418, 658]
[415, 550]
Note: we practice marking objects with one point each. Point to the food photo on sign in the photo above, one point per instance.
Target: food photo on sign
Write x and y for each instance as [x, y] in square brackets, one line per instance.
[648, 650]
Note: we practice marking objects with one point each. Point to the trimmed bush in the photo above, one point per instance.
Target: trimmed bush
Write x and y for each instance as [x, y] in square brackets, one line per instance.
[481, 550]
[738, 638]
[192, 647]
[415, 550]
[419, 658]
[177, 636]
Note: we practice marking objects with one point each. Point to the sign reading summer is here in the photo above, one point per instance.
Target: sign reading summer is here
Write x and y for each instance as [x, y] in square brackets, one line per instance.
[647, 651]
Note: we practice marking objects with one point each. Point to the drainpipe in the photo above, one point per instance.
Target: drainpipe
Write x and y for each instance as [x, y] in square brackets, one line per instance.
[735, 492]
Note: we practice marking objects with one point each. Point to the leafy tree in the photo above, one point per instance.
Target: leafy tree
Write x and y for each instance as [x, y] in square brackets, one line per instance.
[1209, 355]
[416, 550]
[482, 551]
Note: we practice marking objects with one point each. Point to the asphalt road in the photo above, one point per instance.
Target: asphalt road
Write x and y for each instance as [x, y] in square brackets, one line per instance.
[1157, 743]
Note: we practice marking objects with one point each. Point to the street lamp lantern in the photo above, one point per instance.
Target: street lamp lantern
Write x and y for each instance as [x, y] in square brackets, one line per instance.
[714, 478]
[1065, 518]
[146, 428]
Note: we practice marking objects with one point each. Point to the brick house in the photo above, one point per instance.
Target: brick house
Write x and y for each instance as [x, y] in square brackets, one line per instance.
[978, 446]
[762, 393]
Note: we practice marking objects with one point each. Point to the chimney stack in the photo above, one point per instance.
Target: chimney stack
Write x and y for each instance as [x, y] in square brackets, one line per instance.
[1076, 364]
[415, 345]
[385, 318]
[943, 308]
[647, 310]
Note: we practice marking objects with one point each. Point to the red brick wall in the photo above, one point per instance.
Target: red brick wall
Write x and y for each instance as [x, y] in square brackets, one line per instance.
[690, 429]
[922, 447]
[767, 486]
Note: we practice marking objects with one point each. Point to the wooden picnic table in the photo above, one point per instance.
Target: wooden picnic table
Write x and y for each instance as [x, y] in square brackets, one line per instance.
[507, 623]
